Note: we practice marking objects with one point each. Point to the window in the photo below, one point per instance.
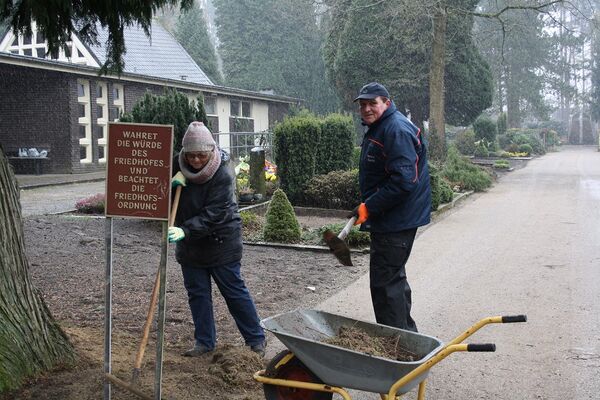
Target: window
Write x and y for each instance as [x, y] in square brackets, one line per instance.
[85, 121]
[27, 39]
[246, 109]
[40, 38]
[41, 53]
[15, 41]
[234, 108]
[27, 52]
[101, 122]
[118, 101]
[240, 108]
[210, 104]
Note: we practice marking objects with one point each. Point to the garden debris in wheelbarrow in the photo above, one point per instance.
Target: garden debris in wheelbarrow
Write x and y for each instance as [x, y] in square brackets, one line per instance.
[391, 347]
[305, 332]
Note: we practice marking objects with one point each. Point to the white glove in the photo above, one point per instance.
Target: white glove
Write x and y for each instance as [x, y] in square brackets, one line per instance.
[178, 180]
[175, 234]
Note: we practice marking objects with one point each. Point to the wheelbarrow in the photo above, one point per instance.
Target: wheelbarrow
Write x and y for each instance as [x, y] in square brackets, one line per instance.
[313, 369]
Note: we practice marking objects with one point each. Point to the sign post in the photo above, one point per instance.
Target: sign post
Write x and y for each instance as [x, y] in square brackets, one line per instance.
[138, 185]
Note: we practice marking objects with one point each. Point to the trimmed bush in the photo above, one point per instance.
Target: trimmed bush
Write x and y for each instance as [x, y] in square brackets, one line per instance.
[91, 205]
[485, 128]
[465, 142]
[334, 152]
[459, 171]
[525, 148]
[296, 141]
[336, 190]
[281, 223]
[356, 157]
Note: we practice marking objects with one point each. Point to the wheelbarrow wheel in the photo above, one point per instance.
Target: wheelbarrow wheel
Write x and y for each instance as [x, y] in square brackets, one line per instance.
[287, 366]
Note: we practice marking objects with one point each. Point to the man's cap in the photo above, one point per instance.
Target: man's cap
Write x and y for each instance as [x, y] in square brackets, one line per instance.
[371, 91]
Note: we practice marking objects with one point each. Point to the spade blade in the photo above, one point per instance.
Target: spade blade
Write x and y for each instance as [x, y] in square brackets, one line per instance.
[338, 247]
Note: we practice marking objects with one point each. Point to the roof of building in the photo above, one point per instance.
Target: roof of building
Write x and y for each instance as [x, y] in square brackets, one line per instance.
[160, 55]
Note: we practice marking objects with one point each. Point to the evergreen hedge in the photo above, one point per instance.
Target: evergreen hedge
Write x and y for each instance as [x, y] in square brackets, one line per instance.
[335, 190]
[485, 128]
[334, 152]
[296, 140]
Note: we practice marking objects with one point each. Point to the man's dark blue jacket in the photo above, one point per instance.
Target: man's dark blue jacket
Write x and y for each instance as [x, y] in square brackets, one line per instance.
[394, 176]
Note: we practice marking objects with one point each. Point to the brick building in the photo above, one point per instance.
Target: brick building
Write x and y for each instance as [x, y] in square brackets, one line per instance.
[59, 103]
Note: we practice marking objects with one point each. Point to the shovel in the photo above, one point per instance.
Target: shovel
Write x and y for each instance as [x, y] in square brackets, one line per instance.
[337, 244]
[153, 298]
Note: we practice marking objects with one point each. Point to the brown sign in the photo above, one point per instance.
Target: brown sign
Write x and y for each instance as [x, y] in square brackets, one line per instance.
[138, 170]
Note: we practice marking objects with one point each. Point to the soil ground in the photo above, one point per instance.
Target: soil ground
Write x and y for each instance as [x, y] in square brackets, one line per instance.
[67, 258]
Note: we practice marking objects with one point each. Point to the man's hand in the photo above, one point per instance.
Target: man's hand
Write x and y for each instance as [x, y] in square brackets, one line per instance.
[178, 180]
[360, 212]
[175, 234]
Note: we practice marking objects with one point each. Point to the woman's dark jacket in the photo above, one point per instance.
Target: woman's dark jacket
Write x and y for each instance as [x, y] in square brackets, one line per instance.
[394, 176]
[208, 214]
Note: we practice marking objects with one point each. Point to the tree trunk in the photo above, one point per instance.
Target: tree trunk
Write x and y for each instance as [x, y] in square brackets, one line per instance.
[437, 129]
[30, 339]
[513, 111]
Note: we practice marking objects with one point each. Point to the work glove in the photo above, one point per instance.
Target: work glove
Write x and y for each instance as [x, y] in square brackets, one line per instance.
[360, 212]
[178, 180]
[175, 234]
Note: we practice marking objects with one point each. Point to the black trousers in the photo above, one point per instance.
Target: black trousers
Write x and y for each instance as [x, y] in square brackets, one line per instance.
[390, 291]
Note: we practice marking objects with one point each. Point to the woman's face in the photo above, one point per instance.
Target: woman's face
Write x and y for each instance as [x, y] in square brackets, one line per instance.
[198, 159]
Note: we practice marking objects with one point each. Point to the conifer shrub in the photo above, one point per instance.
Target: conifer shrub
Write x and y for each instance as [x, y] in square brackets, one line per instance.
[460, 172]
[171, 108]
[465, 142]
[485, 128]
[501, 124]
[296, 141]
[335, 190]
[334, 152]
[281, 223]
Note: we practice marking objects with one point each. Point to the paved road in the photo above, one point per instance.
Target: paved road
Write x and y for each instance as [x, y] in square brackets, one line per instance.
[57, 199]
[530, 245]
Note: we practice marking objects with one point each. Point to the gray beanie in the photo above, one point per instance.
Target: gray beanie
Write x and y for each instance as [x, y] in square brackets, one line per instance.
[197, 138]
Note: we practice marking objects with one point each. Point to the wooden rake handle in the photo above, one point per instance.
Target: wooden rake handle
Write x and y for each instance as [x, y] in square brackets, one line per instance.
[153, 298]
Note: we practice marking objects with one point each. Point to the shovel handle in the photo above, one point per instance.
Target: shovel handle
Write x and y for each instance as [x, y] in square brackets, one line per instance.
[347, 228]
[153, 298]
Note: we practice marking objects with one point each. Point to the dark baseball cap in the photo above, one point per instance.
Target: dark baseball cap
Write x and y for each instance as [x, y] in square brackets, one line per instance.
[371, 91]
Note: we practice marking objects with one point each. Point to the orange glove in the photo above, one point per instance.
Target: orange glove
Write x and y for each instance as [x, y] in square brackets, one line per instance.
[361, 213]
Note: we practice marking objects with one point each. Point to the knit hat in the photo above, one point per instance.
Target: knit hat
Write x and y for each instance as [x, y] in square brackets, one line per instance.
[197, 138]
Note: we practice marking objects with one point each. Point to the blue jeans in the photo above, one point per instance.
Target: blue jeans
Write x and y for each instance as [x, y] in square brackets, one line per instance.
[390, 291]
[197, 282]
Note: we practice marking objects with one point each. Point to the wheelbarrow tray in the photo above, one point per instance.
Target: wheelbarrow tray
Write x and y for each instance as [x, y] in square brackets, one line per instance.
[303, 332]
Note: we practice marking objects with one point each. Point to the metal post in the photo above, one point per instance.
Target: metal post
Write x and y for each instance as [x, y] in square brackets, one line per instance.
[161, 312]
[108, 236]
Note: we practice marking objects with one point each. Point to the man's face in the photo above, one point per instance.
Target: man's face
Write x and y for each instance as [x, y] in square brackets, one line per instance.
[372, 109]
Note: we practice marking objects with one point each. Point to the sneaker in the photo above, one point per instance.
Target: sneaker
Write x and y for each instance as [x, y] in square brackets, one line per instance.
[259, 348]
[197, 351]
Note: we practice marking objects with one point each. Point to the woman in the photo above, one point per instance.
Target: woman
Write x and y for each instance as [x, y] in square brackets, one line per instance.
[208, 233]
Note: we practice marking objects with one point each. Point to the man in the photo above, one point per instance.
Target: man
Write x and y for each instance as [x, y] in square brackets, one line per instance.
[396, 200]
